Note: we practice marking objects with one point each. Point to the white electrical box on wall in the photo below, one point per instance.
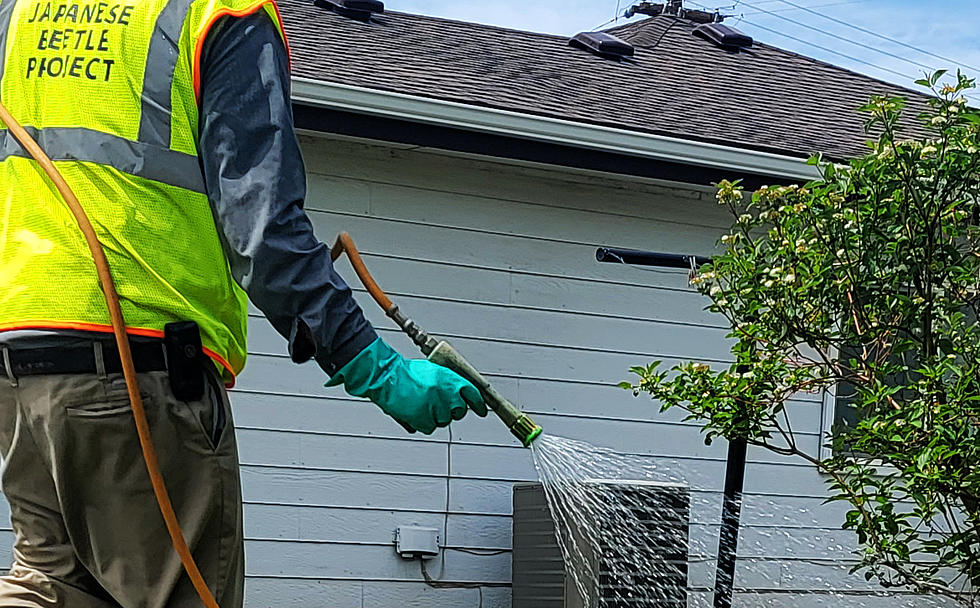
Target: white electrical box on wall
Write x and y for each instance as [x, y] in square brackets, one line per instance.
[416, 541]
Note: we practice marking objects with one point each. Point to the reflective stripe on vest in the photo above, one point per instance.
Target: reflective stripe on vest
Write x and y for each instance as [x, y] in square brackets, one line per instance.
[132, 157]
[125, 138]
[160, 62]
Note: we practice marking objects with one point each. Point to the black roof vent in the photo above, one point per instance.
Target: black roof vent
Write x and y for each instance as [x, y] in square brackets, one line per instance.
[724, 36]
[602, 44]
[355, 9]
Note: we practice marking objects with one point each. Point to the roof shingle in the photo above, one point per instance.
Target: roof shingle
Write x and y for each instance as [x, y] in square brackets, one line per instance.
[677, 84]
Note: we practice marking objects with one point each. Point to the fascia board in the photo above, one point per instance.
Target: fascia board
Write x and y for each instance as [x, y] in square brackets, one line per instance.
[466, 117]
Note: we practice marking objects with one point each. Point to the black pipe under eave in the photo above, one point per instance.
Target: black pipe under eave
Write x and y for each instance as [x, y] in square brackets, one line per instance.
[649, 258]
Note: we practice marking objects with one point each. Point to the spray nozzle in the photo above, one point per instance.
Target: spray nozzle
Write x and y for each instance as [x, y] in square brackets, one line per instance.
[519, 423]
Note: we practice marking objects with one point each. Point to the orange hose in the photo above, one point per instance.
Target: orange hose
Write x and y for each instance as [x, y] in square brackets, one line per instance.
[122, 343]
[345, 244]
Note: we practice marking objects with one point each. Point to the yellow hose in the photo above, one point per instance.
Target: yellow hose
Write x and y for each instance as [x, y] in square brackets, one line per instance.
[122, 342]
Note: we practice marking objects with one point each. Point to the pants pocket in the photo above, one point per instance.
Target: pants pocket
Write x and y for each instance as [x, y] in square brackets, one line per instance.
[208, 412]
[114, 404]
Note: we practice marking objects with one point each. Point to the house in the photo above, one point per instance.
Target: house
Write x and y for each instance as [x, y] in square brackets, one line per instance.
[478, 168]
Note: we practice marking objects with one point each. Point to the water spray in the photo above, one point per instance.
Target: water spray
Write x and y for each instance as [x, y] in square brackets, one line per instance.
[734, 465]
[440, 351]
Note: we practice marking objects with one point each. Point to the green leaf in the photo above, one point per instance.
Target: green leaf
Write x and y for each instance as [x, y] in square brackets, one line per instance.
[878, 308]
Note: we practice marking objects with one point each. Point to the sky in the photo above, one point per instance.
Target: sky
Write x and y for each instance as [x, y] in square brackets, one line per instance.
[946, 28]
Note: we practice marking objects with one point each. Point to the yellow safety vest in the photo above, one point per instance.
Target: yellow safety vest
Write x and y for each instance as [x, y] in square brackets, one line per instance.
[109, 89]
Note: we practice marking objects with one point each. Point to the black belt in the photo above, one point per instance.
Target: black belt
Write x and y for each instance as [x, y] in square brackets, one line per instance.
[147, 356]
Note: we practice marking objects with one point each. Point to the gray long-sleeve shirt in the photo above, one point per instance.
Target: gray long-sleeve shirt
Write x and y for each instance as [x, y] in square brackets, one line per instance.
[256, 182]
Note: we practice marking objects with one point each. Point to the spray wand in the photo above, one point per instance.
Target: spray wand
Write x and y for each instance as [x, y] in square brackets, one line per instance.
[439, 351]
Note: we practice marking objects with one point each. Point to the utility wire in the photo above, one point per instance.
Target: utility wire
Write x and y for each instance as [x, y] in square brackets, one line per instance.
[794, 6]
[842, 38]
[770, 1]
[902, 75]
[828, 50]
[732, 7]
[602, 25]
[760, 10]
[882, 36]
[788, 10]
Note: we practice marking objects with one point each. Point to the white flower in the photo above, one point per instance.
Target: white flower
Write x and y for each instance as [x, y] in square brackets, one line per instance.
[744, 218]
[715, 290]
[768, 283]
[790, 278]
[938, 120]
[929, 150]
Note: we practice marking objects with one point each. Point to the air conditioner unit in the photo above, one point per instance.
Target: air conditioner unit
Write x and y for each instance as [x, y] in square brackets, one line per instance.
[658, 516]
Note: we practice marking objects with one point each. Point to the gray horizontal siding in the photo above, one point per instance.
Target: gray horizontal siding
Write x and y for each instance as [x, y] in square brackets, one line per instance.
[500, 260]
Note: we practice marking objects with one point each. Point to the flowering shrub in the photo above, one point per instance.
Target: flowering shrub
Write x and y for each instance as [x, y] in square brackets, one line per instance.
[868, 276]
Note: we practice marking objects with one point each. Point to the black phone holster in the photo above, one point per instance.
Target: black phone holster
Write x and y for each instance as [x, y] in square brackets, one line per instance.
[185, 358]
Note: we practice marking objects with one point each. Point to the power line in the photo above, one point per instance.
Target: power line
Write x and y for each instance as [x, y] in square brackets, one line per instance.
[731, 7]
[842, 38]
[602, 25]
[768, 1]
[904, 76]
[823, 48]
[882, 36]
[788, 10]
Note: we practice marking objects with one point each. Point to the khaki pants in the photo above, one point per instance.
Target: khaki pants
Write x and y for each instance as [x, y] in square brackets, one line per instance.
[88, 530]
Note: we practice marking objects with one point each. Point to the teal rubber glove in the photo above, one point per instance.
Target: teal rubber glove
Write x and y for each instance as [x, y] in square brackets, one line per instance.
[419, 394]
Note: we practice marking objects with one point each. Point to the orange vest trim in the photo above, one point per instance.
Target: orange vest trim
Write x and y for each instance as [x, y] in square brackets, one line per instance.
[227, 12]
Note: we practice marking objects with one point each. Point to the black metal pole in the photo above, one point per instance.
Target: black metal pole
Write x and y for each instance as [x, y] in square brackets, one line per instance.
[730, 512]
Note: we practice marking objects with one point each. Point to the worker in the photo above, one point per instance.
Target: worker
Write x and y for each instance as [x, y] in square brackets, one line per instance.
[171, 121]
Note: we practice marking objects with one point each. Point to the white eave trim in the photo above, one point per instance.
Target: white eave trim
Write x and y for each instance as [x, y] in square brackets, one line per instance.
[465, 117]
